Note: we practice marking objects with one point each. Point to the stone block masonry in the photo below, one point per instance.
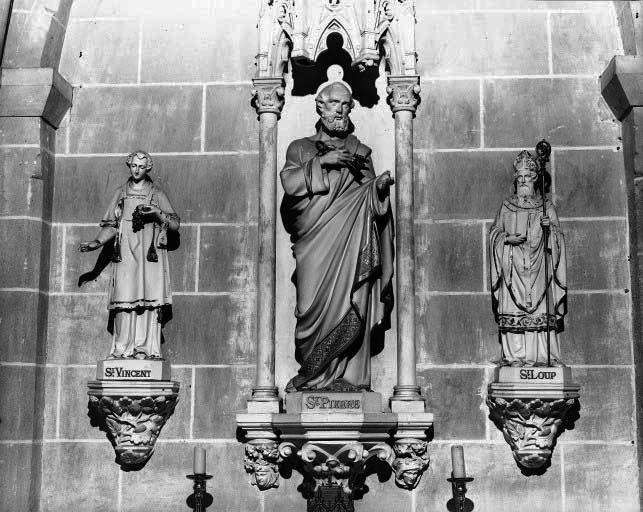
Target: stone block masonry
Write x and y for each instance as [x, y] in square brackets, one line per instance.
[174, 79]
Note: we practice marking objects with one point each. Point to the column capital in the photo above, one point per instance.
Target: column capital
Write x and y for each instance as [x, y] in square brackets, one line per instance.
[621, 84]
[268, 95]
[403, 93]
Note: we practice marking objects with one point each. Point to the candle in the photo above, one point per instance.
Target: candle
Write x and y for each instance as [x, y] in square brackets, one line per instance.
[199, 461]
[457, 462]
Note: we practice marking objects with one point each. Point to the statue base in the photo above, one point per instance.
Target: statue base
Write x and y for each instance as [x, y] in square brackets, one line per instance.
[530, 405]
[131, 401]
[133, 369]
[333, 402]
[335, 439]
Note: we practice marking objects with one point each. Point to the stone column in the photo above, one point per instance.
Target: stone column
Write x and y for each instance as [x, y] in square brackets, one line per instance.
[403, 98]
[268, 100]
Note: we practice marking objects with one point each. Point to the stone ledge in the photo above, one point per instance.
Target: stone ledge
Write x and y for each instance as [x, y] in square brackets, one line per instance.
[621, 84]
[131, 388]
[335, 427]
[509, 391]
[34, 92]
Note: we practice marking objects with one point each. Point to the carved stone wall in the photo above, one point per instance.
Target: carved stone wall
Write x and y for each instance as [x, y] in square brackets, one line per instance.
[174, 78]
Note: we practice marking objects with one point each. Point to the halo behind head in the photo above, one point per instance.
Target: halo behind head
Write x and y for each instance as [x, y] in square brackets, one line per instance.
[335, 74]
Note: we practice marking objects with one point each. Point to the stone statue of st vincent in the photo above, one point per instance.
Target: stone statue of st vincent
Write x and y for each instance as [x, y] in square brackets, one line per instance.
[138, 219]
[338, 214]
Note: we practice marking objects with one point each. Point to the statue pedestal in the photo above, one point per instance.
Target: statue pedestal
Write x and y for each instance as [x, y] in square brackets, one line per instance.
[130, 401]
[133, 369]
[335, 440]
[529, 406]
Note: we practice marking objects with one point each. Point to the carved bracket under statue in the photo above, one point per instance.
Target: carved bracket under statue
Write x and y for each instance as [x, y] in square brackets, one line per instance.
[335, 464]
[335, 440]
[132, 415]
[531, 416]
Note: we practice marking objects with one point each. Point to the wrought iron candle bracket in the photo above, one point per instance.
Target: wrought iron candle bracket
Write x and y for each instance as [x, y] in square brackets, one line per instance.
[200, 499]
[459, 502]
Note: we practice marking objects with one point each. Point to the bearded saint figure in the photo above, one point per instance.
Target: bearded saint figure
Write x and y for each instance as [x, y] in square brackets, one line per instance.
[338, 215]
[519, 285]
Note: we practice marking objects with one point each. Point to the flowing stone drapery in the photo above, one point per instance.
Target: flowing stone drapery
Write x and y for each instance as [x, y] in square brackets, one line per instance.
[403, 98]
[268, 100]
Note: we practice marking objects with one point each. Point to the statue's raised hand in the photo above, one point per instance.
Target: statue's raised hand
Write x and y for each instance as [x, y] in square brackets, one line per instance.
[89, 246]
[149, 213]
[337, 158]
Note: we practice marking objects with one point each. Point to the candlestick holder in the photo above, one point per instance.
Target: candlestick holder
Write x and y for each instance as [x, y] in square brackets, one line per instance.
[459, 502]
[200, 499]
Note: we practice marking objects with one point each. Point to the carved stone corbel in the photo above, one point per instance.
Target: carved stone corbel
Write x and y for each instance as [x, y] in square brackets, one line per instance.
[411, 460]
[262, 463]
[328, 466]
[132, 415]
[530, 426]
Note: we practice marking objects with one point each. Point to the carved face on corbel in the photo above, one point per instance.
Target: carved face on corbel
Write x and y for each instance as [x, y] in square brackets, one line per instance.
[262, 464]
[408, 471]
[334, 104]
[410, 462]
[266, 475]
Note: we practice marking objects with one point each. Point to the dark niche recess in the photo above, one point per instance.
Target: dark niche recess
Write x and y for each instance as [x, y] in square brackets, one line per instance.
[309, 75]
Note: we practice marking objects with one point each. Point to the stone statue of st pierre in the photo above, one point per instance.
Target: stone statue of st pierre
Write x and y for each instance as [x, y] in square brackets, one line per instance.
[338, 214]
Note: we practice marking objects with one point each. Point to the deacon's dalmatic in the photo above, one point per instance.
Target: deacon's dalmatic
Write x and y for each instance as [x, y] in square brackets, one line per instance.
[137, 220]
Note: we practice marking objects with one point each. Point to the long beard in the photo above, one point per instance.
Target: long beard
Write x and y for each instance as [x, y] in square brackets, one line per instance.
[335, 124]
[525, 192]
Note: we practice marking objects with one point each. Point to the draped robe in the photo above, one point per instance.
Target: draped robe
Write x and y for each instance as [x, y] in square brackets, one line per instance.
[342, 235]
[139, 288]
[518, 282]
